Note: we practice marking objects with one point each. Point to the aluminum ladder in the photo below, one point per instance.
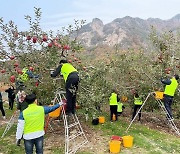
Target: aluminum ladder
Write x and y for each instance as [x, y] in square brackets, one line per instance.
[170, 121]
[75, 137]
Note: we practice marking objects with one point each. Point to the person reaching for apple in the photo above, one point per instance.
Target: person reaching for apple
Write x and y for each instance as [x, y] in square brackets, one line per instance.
[24, 76]
[71, 78]
[170, 88]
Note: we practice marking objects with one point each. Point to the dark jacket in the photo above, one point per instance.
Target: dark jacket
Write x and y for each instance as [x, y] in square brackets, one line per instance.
[11, 93]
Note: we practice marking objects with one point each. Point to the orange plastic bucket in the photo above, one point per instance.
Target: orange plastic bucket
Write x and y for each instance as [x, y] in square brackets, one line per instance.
[127, 141]
[101, 120]
[114, 146]
[114, 117]
[159, 95]
[55, 113]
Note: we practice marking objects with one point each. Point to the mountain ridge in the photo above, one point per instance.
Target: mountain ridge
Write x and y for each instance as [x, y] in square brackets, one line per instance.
[125, 32]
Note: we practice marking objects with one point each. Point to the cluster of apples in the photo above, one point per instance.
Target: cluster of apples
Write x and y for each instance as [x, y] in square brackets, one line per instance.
[168, 70]
[76, 60]
[51, 43]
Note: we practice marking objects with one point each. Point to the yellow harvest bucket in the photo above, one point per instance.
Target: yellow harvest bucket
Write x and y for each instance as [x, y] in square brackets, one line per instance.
[114, 146]
[101, 120]
[127, 141]
[159, 94]
[55, 113]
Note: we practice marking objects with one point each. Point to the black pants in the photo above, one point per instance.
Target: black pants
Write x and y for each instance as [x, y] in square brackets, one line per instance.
[137, 107]
[71, 91]
[11, 102]
[113, 110]
[167, 103]
[2, 109]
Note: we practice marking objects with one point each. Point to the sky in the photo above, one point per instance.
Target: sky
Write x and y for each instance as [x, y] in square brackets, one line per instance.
[59, 13]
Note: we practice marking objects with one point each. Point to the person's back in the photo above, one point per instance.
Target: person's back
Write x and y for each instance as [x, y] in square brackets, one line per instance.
[31, 124]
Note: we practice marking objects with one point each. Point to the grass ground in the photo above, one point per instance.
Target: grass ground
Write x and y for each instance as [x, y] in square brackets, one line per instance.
[146, 140]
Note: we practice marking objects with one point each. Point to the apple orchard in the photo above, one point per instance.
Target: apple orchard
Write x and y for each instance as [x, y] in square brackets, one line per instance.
[127, 71]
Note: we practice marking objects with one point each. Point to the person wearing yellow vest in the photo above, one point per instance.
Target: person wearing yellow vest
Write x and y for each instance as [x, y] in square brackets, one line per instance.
[31, 124]
[170, 88]
[113, 102]
[120, 108]
[71, 78]
[137, 105]
[24, 77]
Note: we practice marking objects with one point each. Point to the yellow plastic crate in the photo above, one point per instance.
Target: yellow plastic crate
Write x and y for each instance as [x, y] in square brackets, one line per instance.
[159, 94]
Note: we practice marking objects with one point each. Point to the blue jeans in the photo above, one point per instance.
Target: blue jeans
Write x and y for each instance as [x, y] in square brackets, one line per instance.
[29, 144]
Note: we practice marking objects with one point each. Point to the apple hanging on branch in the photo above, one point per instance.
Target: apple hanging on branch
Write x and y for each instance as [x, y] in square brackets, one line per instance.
[12, 78]
[12, 57]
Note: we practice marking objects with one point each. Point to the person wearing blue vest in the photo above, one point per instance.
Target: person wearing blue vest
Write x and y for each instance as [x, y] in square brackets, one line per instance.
[113, 102]
[31, 124]
[71, 78]
[137, 105]
[170, 88]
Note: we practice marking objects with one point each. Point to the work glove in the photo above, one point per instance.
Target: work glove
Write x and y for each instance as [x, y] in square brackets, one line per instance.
[61, 103]
[18, 141]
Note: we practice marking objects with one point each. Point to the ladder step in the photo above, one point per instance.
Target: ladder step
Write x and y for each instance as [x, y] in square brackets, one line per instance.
[77, 147]
[75, 135]
[71, 125]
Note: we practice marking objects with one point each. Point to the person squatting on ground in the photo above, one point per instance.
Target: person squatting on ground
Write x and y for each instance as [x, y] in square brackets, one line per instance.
[113, 102]
[11, 96]
[120, 108]
[71, 78]
[1, 107]
[31, 124]
[137, 105]
[170, 88]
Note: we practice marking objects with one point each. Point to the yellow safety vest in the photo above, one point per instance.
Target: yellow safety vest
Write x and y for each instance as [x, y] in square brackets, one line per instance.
[24, 76]
[66, 69]
[119, 108]
[170, 89]
[113, 99]
[137, 101]
[34, 118]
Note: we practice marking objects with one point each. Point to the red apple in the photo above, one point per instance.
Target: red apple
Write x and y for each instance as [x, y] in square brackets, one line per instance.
[12, 78]
[16, 34]
[66, 47]
[34, 39]
[37, 84]
[16, 64]
[59, 45]
[49, 45]
[84, 68]
[28, 37]
[31, 68]
[69, 61]
[3, 71]
[19, 71]
[75, 59]
[44, 38]
[12, 57]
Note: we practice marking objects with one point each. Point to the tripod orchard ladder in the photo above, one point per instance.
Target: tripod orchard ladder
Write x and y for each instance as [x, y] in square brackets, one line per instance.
[73, 130]
[161, 104]
[10, 123]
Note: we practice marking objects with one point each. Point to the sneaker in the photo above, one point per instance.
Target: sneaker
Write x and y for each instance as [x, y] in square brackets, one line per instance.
[4, 117]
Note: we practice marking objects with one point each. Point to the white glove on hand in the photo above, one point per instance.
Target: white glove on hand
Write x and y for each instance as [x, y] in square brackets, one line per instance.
[61, 103]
